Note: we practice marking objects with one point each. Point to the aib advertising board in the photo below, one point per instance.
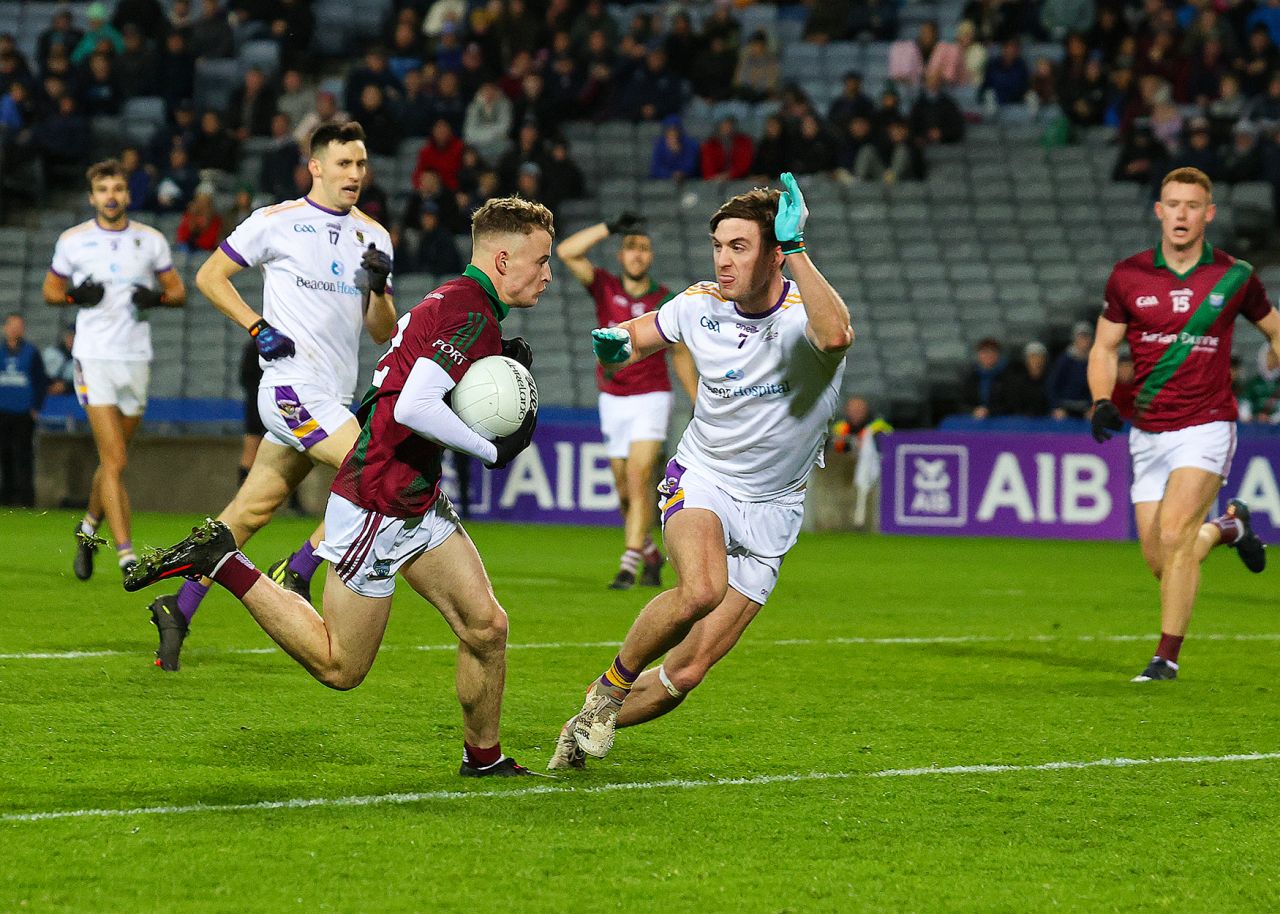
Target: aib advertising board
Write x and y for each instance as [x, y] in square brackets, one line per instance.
[1039, 486]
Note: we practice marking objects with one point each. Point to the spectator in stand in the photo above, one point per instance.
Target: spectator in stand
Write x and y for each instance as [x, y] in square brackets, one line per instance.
[448, 50]
[295, 99]
[60, 364]
[1007, 79]
[488, 123]
[1243, 161]
[177, 183]
[888, 112]
[140, 179]
[375, 71]
[430, 189]
[1020, 390]
[138, 68]
[1084, 101]
[994, 20]
[973, 55]
[211, 34]
[652, 91]
[408, 49]
[99, 90]
[850, 103]
[828, 22]
[1207, 70]
[1259, 60]
[1228, 108]
[756, 78]
[177, 73]
[727, 154]
[215, 147]
[528, 148]
[442, 13]
[487, 187]
[859, 157]
[903, 159]
[201, 226]
[722, 24]
[382, 132]
[180, 132]
[935, 116]
[374, 202]
[1266, 107]
[713, 70]
[17, 108]
[518, 30]
[100, 36]
[772, 151]
[979, 385]
[1266, 15]
[1044, 85]
[1197, 151]
[675, 153]
[181, 18]
[1261, 393]
[681, 43]
[874, 20]
[252, 105]
[594, 18]
[292, 26]
[911, 61]
[475, 70]
[815, 151]
[326, 111]
[60, 33]
[1060, 18]
[1068, 381]
[414, 110]
[449, 104]
[23, 385]
[62, 138]
[562, 179]
[435, 251]
[279, 161]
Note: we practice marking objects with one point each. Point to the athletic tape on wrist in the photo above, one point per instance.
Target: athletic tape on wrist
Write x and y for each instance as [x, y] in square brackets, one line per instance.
[667, 684]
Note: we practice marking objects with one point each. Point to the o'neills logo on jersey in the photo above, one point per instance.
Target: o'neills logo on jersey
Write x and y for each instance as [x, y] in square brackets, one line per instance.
[1203, 343]
[325, 285]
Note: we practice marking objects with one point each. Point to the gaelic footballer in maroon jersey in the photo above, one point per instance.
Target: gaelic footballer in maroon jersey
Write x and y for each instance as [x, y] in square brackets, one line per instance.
[1177, 305]
[614, 304]
[392, 469]
[1179, 330]
[386, 517]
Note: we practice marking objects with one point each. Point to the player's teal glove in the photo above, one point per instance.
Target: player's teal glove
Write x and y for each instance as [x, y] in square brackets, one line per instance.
[788, 225]
[611, 344]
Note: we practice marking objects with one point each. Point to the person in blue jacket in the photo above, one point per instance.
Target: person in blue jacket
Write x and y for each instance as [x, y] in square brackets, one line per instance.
[23, 385]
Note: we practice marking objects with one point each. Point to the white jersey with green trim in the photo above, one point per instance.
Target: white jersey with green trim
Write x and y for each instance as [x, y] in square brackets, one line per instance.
[309, 256]
[765, 393]
[119, 259]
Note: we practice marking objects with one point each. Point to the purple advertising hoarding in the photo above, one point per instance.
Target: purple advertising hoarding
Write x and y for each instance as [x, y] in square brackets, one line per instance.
[563, 477]
[1253, 478]
[1022, 485]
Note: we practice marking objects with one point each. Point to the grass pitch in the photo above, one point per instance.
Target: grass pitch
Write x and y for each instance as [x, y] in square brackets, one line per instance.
[790, 781]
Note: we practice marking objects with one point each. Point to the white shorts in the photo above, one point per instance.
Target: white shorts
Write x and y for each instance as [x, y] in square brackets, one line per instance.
[113, 382]
[1157, 454]
[757, 534]
[300, 416]
[639, 417]
[367, 549]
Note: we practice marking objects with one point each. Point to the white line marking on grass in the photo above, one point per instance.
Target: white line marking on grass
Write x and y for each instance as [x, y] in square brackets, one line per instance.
[781, 642]
[401, 799]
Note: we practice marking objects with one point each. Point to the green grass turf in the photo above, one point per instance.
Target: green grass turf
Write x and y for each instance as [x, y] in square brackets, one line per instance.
[113, 732]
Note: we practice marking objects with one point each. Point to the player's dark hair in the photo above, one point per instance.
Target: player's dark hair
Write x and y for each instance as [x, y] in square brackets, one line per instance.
[758, 205]
[511, 215]
[349, 132]
[1188, 175]
[107, 168]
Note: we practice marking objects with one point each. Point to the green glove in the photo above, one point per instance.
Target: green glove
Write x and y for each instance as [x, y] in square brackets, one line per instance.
[788, 225]
[611, 344]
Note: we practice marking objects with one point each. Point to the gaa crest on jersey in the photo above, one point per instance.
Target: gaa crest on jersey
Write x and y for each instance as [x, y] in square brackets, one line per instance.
[1147, 301]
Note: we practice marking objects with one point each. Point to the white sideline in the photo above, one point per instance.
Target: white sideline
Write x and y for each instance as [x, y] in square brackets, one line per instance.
[400, 799]
[783, 642]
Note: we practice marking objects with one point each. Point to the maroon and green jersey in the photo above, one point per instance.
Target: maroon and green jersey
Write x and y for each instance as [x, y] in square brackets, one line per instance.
[392, 469]
[1179, 329]
[613, 306]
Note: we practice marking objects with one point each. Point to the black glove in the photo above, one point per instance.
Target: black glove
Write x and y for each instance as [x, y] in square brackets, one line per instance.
[511, 445]
[628, 224]
[144, 298]
[375, 267]
[87, 294]
[516, 348]
[271, 343]
[1105, 420]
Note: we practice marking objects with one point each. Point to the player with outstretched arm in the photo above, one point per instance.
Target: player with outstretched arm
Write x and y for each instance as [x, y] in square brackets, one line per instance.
[1176, 304]
[769, 353]
[109, 267]
[635, 402]
[386, 514]
[326, 275]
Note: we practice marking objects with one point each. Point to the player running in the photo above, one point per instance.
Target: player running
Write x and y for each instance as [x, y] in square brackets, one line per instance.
[110, 268]
[635, 402]
[769, 354]
[1177, 304]
[326, 272]
[386, 513]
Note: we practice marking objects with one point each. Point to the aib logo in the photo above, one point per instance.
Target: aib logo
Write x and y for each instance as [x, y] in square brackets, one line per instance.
[336, 268]
[932, 484]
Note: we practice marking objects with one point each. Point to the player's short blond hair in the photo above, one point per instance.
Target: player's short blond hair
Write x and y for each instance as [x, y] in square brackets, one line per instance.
[511, 216]
[1188, 175]
[758, 205]
[107, 168]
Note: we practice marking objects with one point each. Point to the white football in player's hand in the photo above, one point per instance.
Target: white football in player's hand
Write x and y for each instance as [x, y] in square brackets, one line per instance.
[494, 396]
